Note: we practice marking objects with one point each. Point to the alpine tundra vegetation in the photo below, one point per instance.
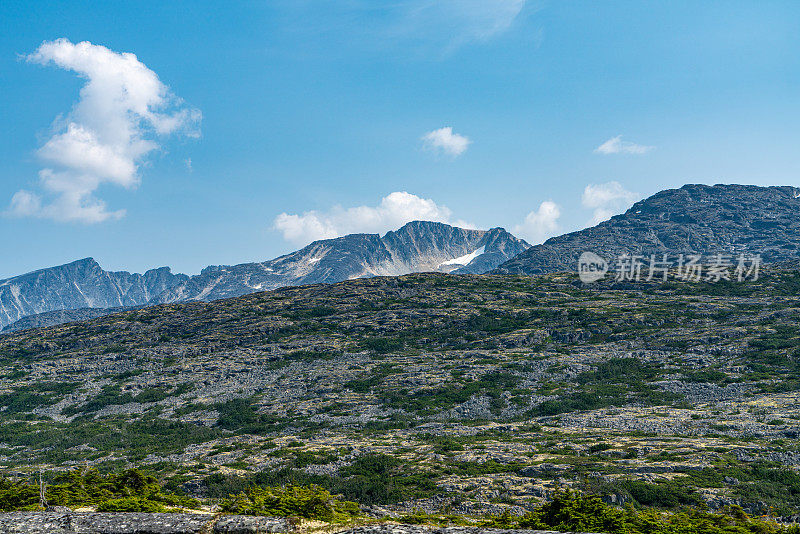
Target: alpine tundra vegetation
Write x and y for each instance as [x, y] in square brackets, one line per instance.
[399, 267]
[427, 396]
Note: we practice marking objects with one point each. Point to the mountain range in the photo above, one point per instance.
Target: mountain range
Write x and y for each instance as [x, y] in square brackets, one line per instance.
[695, 219]
[82, 289]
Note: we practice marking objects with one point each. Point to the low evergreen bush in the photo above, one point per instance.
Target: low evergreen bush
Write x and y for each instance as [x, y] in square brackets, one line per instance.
[309, 502]
[571, 512]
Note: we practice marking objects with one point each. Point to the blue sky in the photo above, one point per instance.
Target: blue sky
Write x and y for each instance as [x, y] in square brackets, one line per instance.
[246, 129]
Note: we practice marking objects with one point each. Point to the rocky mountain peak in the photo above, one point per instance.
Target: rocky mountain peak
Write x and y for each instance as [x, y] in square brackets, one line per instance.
[415, 247]
[695, 219]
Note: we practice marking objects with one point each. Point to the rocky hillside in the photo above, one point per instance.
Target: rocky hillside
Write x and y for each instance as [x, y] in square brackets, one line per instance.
[464, 394]
[695, 219]
[52, 294]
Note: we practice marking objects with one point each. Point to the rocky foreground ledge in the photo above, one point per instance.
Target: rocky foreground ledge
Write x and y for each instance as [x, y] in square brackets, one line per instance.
[136, 523]
[141, 523]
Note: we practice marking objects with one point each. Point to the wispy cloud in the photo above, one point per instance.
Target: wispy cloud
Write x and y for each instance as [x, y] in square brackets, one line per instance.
[606, 200]
[121, 114]
[616, 145]
[393, 211]
[445, 141]
[429, 29]
[455, 23]
[540, 224]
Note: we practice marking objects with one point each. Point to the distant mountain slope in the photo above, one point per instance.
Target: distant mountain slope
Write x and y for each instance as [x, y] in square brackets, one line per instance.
[52, 318]
[695, 219]
[80, 284]
[418, 246]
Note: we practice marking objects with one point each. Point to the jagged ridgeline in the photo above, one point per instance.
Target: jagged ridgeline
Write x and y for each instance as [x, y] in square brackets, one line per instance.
[467, 394]
[695, 219]
[82, 289]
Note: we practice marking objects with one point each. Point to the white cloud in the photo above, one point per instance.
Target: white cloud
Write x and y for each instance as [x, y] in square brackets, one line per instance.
[445, 141]
[424, 29]
[25, 204]
[616, 145]
[606, 200]
[457, 22]
[122, 110]
[394, 211]
[540, 224]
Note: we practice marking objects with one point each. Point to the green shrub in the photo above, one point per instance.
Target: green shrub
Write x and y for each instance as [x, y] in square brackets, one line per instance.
[425, 401]
[60, 388]
[569, 512]
[377, 478]
[310, 502]
[108, 396]
[662, 495]
[16, 495]
[240, 415]
[126, 491]
[312, 313]
[368, 381]
[151, 395]
[707, 375]
[23, 401]
[619, 370]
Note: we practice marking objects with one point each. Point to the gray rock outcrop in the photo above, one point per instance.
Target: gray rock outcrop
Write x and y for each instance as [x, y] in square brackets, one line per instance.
[135, 523]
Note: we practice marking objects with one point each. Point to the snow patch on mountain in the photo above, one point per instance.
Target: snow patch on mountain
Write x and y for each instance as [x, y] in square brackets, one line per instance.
[465, 259]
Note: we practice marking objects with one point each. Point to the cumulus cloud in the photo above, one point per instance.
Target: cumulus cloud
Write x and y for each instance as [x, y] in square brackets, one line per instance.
[444, 141]
[616, 145]
[393, 211]
[540, 224]
[122, 113]
[606, 200]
